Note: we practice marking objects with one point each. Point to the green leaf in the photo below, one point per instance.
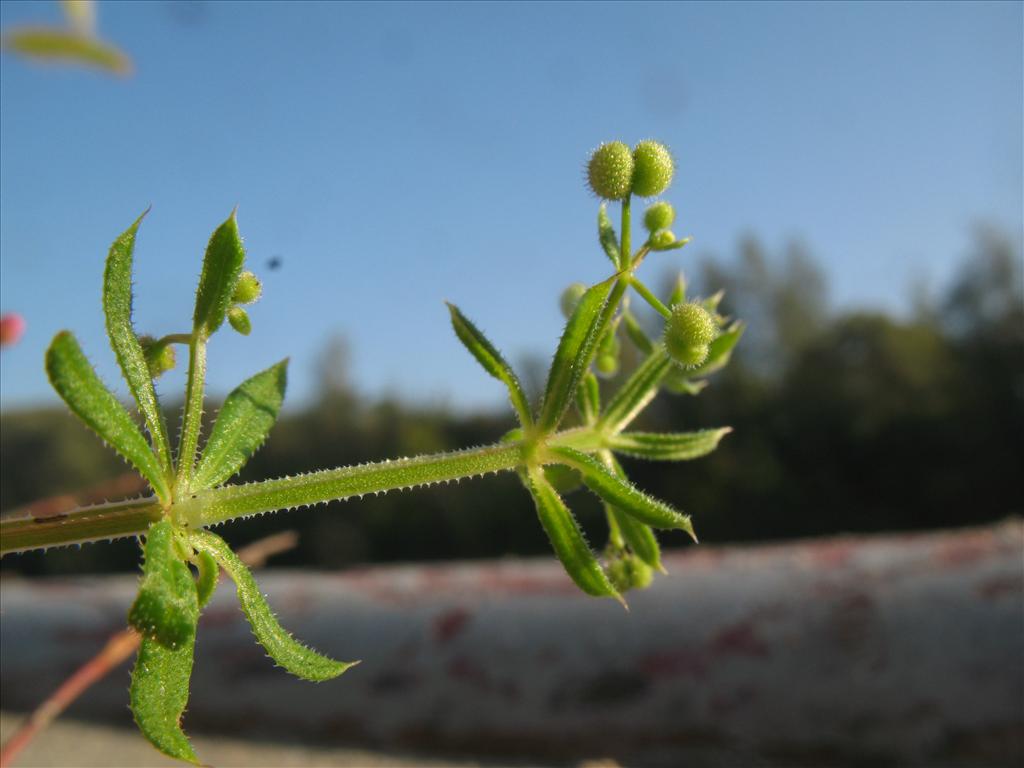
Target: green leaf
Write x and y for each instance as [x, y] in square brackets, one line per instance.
[637, 535]
[679, 446]
[677, 383]
[159, 694]
[638, 390]
[637, 334]
[574, 355]
[167, 606]
[53, 44]
[490, 358]
[282, 647]
[78, 385]
[621, 494]
[567, 539]
[222, 265]
[209, 574]
[678, 295]
[117, 306]
[243, 424]
[606, 234]
[588, 398]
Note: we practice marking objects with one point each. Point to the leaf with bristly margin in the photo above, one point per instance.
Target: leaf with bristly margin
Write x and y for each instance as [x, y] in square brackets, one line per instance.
[165, 614]
[668, 446]
[637, 391]
[117, 307]
[490, 358]
[621, 494]
[588, 398]
[81, 389]
[167, 607]
[638, 536]
[280, 646]
[159, 694]
[606, 235]
[241, 427]
[222, 265]
[52, 44]
[574, 355]
[567, 539]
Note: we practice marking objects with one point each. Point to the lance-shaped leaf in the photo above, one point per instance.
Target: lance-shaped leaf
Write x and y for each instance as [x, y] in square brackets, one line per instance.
[241, 427]
[588, 398]
[606, 234]
[165, 613]
[490, 358]
[117, 306]
[567, 539]
[222, 265]
[167, 606]
[574, 355]
[78, 385]
[621, 494]
[637, 391]
[637, 535]
[678, 295]
[53, 44]
[280, 646]
[159, 693]
[668, 446]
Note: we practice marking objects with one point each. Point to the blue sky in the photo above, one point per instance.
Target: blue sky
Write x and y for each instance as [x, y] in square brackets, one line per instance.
[398, 155]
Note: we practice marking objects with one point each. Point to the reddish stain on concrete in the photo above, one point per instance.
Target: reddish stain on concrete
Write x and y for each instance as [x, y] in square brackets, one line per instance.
[674, 663]
[1001, 586]
[738, 639]
[450, 624]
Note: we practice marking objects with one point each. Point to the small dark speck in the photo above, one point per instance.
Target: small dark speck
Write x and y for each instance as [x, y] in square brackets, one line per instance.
[274, 262]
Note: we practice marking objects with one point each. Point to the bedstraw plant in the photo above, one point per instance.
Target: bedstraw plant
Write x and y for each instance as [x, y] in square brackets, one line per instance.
[182, 558]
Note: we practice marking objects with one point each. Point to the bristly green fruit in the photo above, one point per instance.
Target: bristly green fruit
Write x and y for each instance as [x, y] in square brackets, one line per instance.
[662, 239]
[660, 215]
[248, 289]
[626, 571]
[653, 168]
[688, 333]
[239, 320]
[160, 358]
[570, 298]
[610, 171]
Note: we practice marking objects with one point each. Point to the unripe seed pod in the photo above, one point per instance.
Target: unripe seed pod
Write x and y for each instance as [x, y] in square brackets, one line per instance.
[662, 239]
[239, 320]
[610, 171]
[571, 297]
[160, 358]
[247, 290]
[688, 332]
[627, 571]
[607, 365]
[659, 216]
[652, 168]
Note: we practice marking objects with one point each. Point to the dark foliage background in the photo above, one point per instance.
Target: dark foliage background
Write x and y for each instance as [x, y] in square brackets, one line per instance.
[845, 421]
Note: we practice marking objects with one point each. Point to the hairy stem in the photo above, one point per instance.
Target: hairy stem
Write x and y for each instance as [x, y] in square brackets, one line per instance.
[193, 419]
[96, 523]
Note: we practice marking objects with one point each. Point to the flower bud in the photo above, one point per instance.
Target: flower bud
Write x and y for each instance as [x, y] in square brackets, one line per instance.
[659, 216]
[160, 358]
[247, 290]
[652, 168]
[688, 332]
[610, 171]
[239, 320]
[662, 239]
[571, 297]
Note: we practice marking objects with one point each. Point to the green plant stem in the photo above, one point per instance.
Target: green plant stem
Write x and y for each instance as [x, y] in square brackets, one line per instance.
[650, 298]
[94, 523]
[193, 419]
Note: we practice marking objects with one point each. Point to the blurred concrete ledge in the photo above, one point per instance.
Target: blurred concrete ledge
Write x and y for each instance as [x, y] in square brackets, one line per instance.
[883, 650]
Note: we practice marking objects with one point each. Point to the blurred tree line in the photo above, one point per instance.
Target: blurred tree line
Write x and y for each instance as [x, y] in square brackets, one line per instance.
[844, 422]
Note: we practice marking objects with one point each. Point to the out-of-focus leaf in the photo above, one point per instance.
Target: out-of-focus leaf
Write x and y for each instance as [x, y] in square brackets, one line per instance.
[606, 235]
[679, 446]
[241, 427]
[53, 44]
